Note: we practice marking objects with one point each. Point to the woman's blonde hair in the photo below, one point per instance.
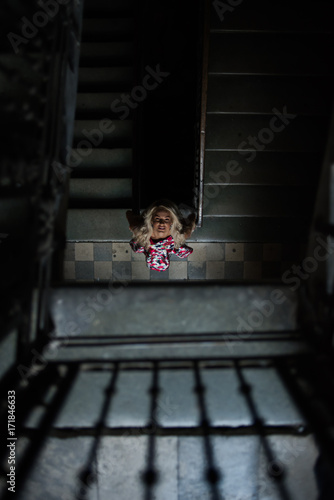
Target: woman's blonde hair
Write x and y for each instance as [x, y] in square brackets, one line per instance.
[180, 226]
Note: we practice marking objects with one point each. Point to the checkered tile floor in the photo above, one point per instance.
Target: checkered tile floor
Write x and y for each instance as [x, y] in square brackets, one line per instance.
[231, 261]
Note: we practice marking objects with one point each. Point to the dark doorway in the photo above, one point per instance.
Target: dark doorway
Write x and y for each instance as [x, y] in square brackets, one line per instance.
[172, 47]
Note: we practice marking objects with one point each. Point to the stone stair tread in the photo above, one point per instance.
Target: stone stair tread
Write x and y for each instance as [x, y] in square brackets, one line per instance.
[96, 189]
[258, 201]
[301, 133]
[267, 168]
[106, 54]
[252, 229]
[103, 133]
[208, 308]
[106, 78]
[97, 104]
[97, 225]
[102, 162]
[268, 53]
[260, 94]
[111, 225]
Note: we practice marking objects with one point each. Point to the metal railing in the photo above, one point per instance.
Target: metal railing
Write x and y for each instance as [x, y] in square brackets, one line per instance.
[200, 126]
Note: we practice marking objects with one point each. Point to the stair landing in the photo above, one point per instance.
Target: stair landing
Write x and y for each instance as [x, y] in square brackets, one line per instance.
[94, 261]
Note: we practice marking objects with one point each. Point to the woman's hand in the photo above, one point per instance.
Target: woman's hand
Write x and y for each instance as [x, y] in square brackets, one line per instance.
[190, 225]
[133, 219]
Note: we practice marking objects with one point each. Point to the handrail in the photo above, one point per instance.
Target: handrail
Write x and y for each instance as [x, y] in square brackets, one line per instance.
[58, 138]
[201, 126]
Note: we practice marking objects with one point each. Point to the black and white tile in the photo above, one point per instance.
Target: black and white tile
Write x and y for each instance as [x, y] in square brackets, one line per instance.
[102, 261]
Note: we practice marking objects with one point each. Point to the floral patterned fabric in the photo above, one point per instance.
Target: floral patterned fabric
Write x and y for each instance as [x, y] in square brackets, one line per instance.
[157, 256]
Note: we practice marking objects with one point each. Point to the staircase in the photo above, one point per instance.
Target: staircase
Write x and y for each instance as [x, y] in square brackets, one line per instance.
[270, 90]
[101, 160]
[270, 80]
[183, 391]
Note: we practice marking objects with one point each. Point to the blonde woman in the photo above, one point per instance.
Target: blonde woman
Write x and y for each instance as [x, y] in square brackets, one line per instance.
[159, 231]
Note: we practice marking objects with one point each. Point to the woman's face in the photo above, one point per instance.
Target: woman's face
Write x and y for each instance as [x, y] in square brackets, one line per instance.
[161, 223]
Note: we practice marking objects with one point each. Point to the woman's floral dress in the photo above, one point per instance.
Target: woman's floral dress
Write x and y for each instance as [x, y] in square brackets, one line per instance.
[157, 255]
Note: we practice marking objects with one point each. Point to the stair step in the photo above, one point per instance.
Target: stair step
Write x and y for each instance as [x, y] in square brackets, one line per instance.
[253, 229]
[102, 133]
[267, 168]
[97, 104]
[105, 79]
[111, 225]
[93, 224]
[97, 192]
[261, 15]
[301, 133]
[181, 310]
[197, 350]
[259, 201]
[260, 94]
[107, 30]
[96, 8]
[106, 54]
[103, 163]
[269, 53]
